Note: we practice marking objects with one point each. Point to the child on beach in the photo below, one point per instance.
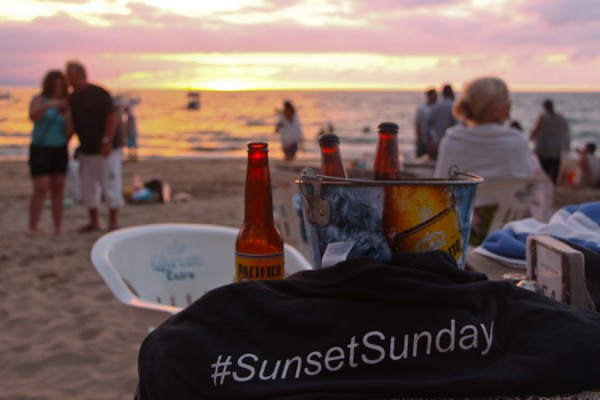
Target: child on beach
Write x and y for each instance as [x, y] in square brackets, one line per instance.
[131, 132]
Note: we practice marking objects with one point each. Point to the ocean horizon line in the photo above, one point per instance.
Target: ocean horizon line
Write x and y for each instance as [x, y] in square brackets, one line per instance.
[226, 121]
[325, 90]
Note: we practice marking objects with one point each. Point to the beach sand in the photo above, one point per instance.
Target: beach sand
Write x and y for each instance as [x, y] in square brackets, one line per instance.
[62, 332]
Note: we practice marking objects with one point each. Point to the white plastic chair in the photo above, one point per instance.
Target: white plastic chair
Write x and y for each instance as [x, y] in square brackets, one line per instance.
[513, 197]
[159, 269]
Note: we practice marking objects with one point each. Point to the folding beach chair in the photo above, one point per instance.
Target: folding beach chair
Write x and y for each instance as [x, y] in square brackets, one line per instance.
[159, 269]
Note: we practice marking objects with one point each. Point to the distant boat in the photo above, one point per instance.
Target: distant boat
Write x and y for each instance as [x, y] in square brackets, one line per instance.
[4, 95]
[127, 99]
[193, 101]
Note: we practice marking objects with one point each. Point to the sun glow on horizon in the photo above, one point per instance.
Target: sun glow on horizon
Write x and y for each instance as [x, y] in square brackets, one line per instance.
[252, 71]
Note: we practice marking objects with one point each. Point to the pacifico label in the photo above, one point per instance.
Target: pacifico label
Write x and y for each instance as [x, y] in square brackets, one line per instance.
[258, 267]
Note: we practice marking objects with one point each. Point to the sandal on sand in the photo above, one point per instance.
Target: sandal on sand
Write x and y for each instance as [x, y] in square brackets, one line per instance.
[88, 228]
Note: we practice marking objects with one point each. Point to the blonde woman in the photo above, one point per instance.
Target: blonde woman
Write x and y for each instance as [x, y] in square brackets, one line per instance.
[482, 143]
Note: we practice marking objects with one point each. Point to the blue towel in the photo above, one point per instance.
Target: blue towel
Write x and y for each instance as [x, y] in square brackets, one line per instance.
[579, 224]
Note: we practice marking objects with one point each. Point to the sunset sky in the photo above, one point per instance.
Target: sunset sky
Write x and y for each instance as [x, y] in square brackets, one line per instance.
[328, 44]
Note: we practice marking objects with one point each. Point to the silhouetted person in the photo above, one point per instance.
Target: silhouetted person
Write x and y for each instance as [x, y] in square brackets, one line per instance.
[551, 137]
[440, 119]
[95, 123]
[48, 152]
[290, 130]
[421, 118]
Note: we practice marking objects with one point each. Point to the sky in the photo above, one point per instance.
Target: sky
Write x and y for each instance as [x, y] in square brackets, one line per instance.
[309, 44]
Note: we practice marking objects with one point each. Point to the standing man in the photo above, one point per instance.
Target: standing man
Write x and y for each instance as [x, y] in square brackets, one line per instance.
[552, 137]
[95, 123]
[440, 119]
[421, 118]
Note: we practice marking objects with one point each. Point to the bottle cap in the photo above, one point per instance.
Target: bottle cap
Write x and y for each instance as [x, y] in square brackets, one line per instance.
[328, 138]
[388, 126]
[258, 146]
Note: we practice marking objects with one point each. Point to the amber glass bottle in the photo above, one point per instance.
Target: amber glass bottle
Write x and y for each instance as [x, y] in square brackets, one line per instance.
[331, 158]
[259, 245]
[387, 159]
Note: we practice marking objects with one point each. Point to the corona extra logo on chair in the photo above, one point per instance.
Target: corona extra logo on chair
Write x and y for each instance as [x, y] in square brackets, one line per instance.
[175, 263]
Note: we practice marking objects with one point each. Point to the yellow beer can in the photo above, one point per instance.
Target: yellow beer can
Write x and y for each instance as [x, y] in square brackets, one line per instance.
[421, 218]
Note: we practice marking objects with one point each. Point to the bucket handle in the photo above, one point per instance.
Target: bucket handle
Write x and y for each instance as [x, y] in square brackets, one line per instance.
[455, 176]
[317, 209]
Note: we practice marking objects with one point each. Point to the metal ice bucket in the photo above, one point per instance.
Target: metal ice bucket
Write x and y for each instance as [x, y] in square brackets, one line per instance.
[350, 218]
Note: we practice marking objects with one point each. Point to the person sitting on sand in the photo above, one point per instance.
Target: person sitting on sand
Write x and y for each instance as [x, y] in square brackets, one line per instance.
[588, 171]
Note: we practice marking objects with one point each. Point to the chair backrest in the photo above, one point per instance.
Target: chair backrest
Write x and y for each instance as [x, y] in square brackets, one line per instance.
[166, 267]
[512, 196]
[287, 207]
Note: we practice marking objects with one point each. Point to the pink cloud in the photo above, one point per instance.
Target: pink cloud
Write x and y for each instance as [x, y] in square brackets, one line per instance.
[565, 26]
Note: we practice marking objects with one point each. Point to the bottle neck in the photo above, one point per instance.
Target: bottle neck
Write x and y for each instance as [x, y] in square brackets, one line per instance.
[258, 208]
[387, 159]
[331, 161]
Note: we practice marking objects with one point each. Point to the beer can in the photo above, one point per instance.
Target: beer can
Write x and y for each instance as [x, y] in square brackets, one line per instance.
[421, 218]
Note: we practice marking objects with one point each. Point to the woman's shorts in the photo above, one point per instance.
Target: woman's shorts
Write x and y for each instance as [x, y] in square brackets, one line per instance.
[47, 160]
[290, 150]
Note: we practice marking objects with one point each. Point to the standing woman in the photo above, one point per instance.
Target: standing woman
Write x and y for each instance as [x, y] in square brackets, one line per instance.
[289, 128]
[48, 153]
[551, 137]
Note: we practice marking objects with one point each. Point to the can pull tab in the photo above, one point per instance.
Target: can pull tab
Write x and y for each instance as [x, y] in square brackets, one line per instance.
[317, 209]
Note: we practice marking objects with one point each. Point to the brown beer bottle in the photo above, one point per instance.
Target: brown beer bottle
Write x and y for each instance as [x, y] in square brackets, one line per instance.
[259, 245]
[331, 158]
[387, 159]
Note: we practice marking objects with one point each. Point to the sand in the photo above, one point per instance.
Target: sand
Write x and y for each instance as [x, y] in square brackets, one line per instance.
[62, 332]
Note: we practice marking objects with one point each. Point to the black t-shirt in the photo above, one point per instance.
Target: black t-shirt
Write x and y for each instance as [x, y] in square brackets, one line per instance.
[89, 109]
[416, 326]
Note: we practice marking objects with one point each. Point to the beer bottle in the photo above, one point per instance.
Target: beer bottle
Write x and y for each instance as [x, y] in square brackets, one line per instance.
[331, 159]
[387, 159]
[259, 245]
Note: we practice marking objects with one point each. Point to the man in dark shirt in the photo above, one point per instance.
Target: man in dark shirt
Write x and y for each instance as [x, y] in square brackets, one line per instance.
[95, 123]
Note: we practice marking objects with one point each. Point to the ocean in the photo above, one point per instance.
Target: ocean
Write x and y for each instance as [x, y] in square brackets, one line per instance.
[227, 121]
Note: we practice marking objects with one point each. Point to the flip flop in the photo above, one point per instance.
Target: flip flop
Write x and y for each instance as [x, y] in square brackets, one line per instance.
[88, 228]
